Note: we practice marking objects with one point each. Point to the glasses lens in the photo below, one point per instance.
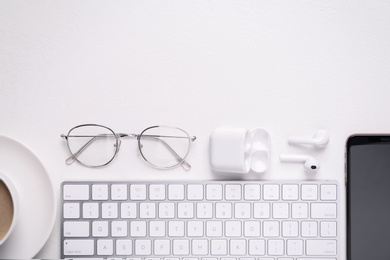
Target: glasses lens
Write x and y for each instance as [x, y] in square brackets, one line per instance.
[164, 147]
[92, 145]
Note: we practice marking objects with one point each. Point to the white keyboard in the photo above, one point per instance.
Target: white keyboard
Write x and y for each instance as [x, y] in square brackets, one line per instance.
[209, 220]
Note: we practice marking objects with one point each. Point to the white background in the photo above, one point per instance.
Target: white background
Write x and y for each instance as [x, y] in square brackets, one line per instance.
[291, 67]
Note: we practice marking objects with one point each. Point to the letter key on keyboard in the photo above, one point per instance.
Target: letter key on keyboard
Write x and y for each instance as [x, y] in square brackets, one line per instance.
[209, 220]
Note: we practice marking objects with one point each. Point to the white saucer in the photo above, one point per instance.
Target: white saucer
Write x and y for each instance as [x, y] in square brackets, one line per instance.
[37, 202]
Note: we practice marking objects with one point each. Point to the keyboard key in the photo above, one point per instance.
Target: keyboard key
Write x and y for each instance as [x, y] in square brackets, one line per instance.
[233, 192]
[157, 192]
[271, 192]
[128, 210]
[105, 247]
[256, 247]
[233, 228]
[100, 228]
[204, 210]
[124, 247]
[214, 192]
[185, 210]
[100, 192]
[119, 192]
[119, 229]
[147, 210]
[195, 228]
[143, 247]
[295, 247]
[237, 247]
[195, 192]
[223, 210]
[166, 210]
[90, 210]
[157, 228]
[252, 192]
[261, 210]
[321, 247]
[74, 247]
[252, 229]
[309, 228]
[138, 192]
[71, 210]
[328, 192]
[275, 247]
[138, 228]
[300, 210]
[290, 192]
[200, 247]
[323, 210]
[109, 210]
[290, 229]
[242, 210]
[176, 192]
[309, 192]
[214, 228]
[218, 247]
[280, 210]
[315, 258]
[75, 192]
[271, 229]
[328, 229]
[181, 247]
[162, 247]
[176, 228]
[76, 229]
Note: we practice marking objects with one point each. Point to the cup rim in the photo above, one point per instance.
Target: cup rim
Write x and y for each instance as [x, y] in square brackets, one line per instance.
[13, 192]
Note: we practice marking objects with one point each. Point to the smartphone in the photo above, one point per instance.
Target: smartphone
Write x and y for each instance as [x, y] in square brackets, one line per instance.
[368, 197]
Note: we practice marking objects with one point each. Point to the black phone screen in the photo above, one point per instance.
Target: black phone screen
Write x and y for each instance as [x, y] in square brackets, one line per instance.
[368, 197]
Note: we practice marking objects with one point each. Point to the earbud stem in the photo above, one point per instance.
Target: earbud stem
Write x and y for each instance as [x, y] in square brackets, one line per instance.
[285, 157]
[298, 140]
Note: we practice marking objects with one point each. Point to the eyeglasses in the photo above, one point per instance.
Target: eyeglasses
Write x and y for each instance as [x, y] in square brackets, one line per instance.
[163, 147]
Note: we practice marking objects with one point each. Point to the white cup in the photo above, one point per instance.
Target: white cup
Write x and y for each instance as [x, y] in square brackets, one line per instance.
[8, 207]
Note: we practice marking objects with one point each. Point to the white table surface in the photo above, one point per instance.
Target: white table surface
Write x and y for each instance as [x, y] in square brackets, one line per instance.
[291, 67]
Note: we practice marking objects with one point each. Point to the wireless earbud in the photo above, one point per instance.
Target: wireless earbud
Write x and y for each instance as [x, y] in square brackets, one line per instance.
[310, 163]
[320, 139]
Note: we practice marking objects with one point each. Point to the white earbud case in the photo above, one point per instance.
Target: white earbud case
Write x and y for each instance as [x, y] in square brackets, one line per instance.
[239, 150]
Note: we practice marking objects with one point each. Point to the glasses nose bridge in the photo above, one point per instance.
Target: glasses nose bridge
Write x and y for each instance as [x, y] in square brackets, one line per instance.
[123, 135]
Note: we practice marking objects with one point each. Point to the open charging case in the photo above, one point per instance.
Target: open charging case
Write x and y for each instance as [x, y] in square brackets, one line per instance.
[239, 150]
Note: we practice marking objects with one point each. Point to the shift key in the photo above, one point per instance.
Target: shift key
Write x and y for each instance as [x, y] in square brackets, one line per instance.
[321, 247]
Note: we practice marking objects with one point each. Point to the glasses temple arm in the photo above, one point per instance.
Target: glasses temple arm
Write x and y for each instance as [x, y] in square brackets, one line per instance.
[186, 166]
[74, 156]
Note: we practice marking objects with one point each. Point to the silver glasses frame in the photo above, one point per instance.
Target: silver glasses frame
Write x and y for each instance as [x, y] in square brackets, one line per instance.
[181, 160]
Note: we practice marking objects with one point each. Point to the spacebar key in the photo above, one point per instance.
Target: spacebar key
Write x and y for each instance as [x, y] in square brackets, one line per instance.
[78, 247]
